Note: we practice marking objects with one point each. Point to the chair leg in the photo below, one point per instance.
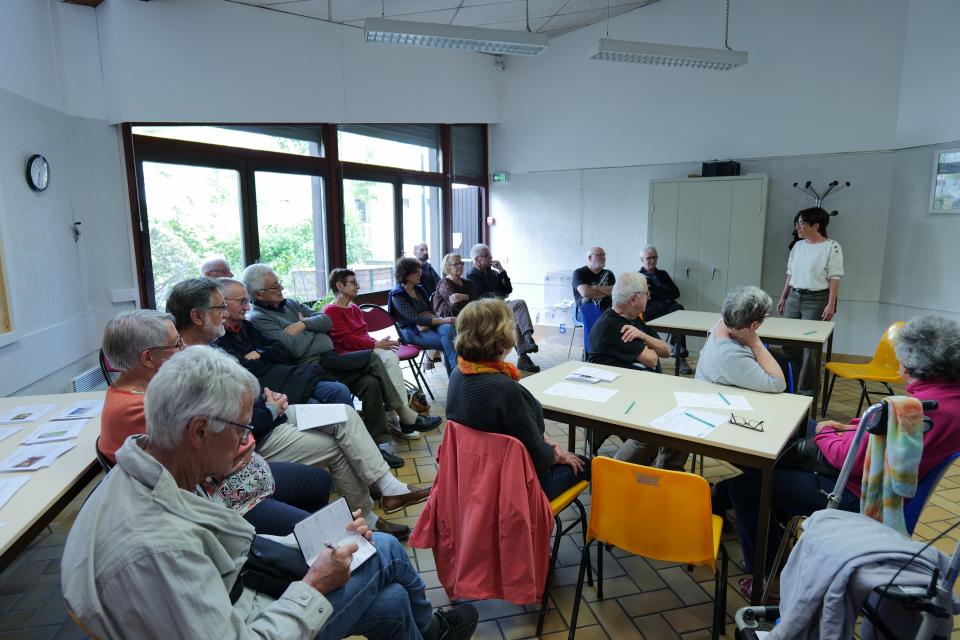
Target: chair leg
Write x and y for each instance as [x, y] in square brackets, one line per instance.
[599, 570]
[553, 561]
[584, 561]
[419, 377]
[583, 523]
[863, 394]
[826, 401]
[720, 595]
[573, 334]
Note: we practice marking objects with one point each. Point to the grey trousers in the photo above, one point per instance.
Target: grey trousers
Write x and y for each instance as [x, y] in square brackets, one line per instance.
[647, 454]
[349, 454]
[524, 324]
[808, 306]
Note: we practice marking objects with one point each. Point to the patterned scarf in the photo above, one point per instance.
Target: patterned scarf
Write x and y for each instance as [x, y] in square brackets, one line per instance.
[488, 366]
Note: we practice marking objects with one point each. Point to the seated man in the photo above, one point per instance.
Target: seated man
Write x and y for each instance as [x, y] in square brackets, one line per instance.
[490, 280]
[620, 339]
[215, 267]
[149, 558]
[733, 353]
[430, 278]
[305, 333]
[593, 282]
[663, 300]
[349, 453]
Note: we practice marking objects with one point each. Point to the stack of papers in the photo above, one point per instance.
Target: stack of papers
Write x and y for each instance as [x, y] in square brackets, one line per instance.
[26, 413]
[9, 486]
[580, 392]
[325, 417]
[82, 409]
[712, 401]
[56, 431]
[592, 375]
[34, 457]
[689, 422]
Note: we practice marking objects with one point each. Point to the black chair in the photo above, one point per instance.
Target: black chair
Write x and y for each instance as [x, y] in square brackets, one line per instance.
[102, 457]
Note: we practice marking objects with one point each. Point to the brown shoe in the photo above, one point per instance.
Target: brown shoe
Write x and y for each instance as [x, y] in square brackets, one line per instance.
[399, 531]
[392, 504]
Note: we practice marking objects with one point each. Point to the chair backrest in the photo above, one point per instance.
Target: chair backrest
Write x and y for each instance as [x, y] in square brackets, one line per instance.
[669, 517]
[107, 369]
[102, 458]
[884, 355]
[589, 314]
[929, 482]
[376, 317]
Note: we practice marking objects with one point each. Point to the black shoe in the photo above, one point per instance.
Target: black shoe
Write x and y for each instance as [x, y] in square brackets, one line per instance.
[529, 346]
[683, 367]
[399, 531]
[524, 363]
[423, 423]
[458, 623]
[393, 461]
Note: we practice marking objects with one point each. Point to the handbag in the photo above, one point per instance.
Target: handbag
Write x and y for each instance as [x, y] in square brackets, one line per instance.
[418, 402]
[807, 456]
[270, 569]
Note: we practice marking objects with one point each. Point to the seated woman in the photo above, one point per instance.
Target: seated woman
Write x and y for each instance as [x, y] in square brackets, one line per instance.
[454, 291]
[733, 353]
[928, 349]
[271, 496]
[349, 334]
[484, 394]
[149, 558]
[409, 305]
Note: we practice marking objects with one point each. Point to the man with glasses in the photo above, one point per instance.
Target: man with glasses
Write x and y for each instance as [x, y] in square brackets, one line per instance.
[593, 282]
[663, 300]
[215, 267]
[305, 333]
[348, 453]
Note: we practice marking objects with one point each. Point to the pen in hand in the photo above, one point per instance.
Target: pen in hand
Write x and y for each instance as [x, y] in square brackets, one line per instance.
[330, 545]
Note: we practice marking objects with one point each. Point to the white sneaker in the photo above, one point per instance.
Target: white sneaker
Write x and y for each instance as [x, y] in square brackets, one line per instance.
[397, 432]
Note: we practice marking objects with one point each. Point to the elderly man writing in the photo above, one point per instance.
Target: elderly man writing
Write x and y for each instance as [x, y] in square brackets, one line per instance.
[149, 558]
[490, 280]
[619, 338]
[348, 453]
[305, 333]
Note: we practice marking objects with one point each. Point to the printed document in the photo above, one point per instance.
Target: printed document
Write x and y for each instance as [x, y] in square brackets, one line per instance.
[34, 457]
[82, 409]
[56, 431]
[712, 401]
[329, 527]
[580, 392]
[689, 422]
[325, 417]
[26, 413]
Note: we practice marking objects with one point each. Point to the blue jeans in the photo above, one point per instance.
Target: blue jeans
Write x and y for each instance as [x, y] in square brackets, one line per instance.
[561, 477]
[300, 490]
[331, 393]
[384, 598]
[439, 337]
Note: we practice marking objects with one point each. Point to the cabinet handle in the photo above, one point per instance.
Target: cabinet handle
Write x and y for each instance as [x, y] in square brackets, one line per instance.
[713, 274]
[688, 272]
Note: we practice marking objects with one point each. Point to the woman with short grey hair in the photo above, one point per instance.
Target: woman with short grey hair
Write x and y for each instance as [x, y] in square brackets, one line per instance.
[733, 353]
[928, 348]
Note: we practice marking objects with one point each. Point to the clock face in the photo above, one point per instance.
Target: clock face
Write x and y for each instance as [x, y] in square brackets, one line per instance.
[38, 172]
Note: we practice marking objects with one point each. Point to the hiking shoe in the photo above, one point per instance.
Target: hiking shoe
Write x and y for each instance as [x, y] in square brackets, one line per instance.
[458, 623]
[524, 363]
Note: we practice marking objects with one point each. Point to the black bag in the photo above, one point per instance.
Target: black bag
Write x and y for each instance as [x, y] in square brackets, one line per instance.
[807, 456]
[270, 568]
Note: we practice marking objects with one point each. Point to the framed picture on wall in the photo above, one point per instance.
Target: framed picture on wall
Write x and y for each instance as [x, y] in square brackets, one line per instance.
[945, 191]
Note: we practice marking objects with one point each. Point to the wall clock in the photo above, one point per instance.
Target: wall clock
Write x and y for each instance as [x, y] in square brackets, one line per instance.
[38, 172]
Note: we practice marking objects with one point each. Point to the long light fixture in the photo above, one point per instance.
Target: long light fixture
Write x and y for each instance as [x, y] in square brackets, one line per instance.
[425, 34]
[667, 54]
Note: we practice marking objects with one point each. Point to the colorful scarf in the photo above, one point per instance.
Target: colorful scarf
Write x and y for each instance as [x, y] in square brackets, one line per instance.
[488, 366]
[891, 464]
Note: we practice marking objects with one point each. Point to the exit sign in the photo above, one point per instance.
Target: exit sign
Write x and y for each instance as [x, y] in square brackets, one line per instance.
[500, 176]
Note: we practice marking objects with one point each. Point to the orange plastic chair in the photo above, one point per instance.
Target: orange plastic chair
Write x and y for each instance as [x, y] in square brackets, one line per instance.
[669, 518]
[883, 368]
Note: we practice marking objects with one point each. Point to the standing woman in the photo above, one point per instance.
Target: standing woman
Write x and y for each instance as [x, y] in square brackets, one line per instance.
[814, 269]
[453, 291]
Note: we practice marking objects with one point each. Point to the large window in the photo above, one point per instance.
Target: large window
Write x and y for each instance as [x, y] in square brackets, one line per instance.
[304, 198]
[945, 196]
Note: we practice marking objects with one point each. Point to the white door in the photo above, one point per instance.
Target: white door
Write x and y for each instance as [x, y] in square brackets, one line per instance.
[715, 243]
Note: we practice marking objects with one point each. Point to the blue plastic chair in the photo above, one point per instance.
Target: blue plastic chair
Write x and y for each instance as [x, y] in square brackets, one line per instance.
[929, 482]
[589, 314]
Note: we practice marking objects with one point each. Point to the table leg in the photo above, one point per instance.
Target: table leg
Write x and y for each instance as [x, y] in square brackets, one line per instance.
[817, 364]
[763, 530]
[826, 378]
[571, 437]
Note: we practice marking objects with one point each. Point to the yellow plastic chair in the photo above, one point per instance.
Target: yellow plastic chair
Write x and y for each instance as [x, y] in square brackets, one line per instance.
[657, 514]
[883, 368]
[558, 504]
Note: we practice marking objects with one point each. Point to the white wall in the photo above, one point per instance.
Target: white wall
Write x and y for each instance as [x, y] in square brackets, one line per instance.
[822, 77]
[209, 60]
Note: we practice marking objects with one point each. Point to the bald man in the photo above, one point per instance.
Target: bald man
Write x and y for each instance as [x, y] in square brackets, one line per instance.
[429, 278]
[593, 282]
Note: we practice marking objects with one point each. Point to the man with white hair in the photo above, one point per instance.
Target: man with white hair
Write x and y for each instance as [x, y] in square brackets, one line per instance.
[348, 452]
[490, 280]
[593, 281]
[150, 558]
[215, 267]
[619, 338]
[663, 300]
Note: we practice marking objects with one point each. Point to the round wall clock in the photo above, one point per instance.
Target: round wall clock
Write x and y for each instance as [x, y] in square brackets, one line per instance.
[38, 172]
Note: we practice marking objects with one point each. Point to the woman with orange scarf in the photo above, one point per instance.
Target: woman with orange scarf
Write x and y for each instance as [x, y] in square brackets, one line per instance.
[484, 394]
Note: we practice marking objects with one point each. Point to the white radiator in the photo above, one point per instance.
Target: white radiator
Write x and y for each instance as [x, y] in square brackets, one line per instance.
[89, 380]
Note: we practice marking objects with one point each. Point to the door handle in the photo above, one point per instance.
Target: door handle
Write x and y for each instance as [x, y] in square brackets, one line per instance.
[688, 272]
[713, 274]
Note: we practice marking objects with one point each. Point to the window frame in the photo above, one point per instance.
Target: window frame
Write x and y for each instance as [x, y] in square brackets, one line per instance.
[933, 184]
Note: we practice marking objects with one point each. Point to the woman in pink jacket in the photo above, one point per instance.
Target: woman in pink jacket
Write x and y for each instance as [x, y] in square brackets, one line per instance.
[928, 349]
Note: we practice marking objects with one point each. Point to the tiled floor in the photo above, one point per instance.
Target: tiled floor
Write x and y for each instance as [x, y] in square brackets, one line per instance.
[642, 598]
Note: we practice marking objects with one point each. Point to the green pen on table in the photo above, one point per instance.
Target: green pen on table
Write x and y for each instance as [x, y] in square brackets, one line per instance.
[690, 415]
[724, 398]
[629, 407]
[809, 333]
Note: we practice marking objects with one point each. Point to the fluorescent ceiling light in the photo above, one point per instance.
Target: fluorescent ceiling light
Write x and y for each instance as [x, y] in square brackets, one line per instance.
[426, 34]
[667, 54]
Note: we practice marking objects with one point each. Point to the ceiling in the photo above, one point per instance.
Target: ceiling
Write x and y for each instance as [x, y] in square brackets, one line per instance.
[550, 17]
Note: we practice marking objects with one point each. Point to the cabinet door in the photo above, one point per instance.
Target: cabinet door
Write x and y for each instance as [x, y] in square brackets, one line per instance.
[690, 204]
[663, 224]
[746, 233]
[715, 247]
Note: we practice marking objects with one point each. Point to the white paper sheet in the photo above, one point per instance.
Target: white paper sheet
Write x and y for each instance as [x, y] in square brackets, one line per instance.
[689, 422]
[9, 486]
[56, 431]
[712, 401]
[6, 432]
[329, 525]
[324, 417]
[33, 457]
[598, 374]
[82, 409]
[580, 392]
[26, 413]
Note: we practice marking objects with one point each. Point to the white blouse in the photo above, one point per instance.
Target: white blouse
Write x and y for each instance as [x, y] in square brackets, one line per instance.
[810, 266]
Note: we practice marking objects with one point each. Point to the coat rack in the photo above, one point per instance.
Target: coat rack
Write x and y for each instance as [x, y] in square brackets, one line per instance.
[833, 187]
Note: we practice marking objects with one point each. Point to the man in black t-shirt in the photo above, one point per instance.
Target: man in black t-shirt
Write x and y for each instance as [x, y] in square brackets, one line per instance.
[592, 281]
[663, 300]
[620, 339]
